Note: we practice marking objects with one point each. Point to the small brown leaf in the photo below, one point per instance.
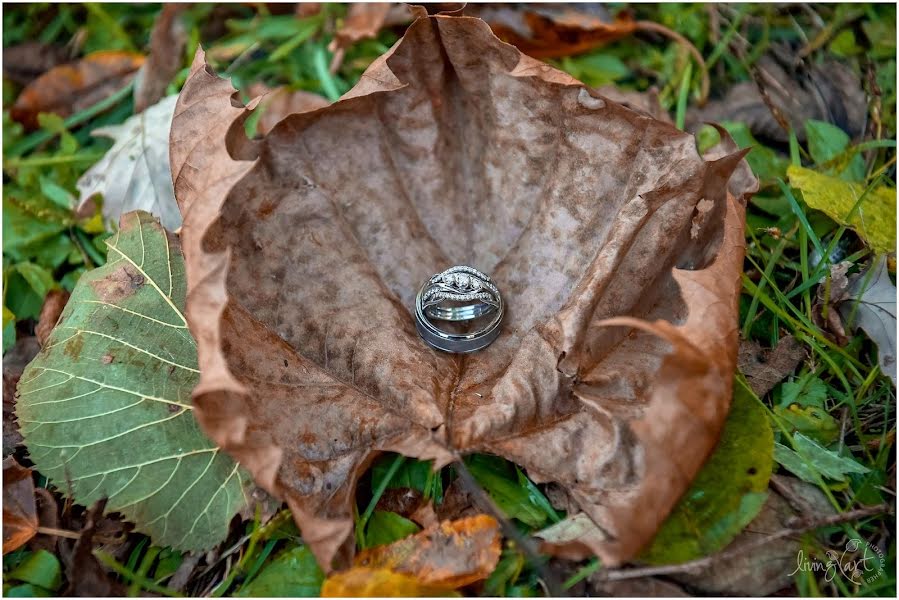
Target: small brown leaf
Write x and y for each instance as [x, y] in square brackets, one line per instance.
[167, 41]
[50, 311]
[364, 20]
[68, 88]
[19, 508]
[445, 556]
[304, 250]
[553, 31]
[23, 62]
[765, 368]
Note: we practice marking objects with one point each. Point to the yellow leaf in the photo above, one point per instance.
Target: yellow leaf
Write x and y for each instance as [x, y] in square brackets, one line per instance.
[874, 219]
[363, 582]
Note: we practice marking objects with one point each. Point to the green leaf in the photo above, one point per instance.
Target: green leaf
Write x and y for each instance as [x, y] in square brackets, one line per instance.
[292, 574]
[826, 142]
[27, 590]
[26, 286]
[41, 569]
[767, 164]
[727, 493]
[507, 570]
[56, 193]
[412, 474]
[386, 527]
[810, 420]
[23, 228]
[810, 457]
[812, 392]
[874, 219]
[9, 329]
[499, 480]
[105, 408]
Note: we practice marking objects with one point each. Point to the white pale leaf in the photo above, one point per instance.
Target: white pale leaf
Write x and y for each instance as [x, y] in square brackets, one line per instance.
[135, 173]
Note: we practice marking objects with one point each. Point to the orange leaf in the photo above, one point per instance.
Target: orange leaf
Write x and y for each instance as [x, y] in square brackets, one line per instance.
[72, 87]
[19, 508]
[443, 557]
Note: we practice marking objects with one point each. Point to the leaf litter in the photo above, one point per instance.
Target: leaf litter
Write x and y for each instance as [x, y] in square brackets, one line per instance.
[562, 378]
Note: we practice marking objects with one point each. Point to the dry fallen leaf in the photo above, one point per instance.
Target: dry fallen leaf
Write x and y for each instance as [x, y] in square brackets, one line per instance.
[363, 20]
[167, 42]
[765, 368]
[305, 249]
[19, 508]
[870, 305]
[279, 102]
[14, 362]
[445, 556]
[831, 92]
[23, 62]
[71, 87]
[135, 174]
[54, 302]
[553, 31]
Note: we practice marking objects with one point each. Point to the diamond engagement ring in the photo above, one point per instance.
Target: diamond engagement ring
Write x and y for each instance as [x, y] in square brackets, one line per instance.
[459, 295]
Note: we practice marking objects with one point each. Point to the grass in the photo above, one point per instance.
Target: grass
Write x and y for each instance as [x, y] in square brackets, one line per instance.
[783, 269]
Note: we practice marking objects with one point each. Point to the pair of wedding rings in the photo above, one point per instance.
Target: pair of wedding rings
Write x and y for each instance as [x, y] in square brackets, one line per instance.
[464, 296]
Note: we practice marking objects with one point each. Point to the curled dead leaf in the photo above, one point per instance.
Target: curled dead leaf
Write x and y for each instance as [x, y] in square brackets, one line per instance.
[445, 556]
[71, 87]
[304, 251]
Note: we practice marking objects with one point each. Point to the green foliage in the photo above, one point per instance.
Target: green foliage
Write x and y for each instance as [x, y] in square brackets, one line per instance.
[726, 494]
[291, 574]
[500, 479]
[105, 408]
[811, 461]
[412, 474]
[34, 574]
[386, 527]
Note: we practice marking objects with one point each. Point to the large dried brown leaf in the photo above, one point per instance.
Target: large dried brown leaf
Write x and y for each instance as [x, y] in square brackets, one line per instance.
[68, 88]
[304, 251]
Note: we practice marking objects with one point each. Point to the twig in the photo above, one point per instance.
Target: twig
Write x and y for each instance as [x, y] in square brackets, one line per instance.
[64, 533]
[527, 546]
[670, 33]
[801, 526]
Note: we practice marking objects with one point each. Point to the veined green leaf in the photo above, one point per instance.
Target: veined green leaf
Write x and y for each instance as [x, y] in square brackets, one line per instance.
[811, 458]
[105, 408]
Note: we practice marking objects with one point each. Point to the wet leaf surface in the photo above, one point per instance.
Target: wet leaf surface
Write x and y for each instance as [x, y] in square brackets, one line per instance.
[304, 251]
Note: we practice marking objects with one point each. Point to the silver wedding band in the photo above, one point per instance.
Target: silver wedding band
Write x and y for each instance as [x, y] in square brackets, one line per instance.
[460, 294]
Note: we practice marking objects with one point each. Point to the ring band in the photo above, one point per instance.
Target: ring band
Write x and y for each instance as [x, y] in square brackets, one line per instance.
[479, 298]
